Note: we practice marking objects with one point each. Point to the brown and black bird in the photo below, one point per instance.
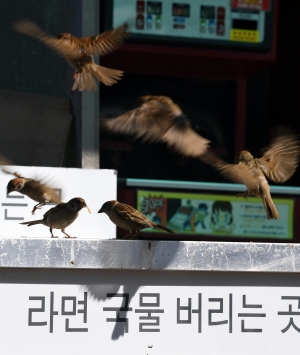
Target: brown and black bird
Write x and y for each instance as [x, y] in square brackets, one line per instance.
[127, 217]
[35, 190]
[159, 119]
[61, 216]
[278, 163]
[79, 52]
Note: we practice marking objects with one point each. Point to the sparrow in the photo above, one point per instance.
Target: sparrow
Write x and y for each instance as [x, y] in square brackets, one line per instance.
[61, 216]
[127, 217]
[158, 118]
[79, 52]
[278, 163]
[35, 190]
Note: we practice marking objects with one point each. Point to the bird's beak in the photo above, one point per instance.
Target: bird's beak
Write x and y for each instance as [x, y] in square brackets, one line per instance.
[100, 211]
[88, 209]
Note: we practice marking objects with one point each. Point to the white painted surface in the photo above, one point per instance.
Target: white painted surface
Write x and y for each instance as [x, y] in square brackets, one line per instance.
[101, 336]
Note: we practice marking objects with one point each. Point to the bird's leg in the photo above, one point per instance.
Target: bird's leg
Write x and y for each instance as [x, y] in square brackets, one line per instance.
[134, 235]
[131, 235]
[67, 235]
[37, 207]
[52, 236]
[127, 236]
[244, 194]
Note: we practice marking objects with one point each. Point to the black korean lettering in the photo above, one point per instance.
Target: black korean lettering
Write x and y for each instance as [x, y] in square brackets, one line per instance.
[290, 313]
[250, 330]
[36, 310]
[7, 217]
[143, 327]
[189, 310]
[63, 306]
[52, 312]
[123, 308]
[84, 310]
[65, 299]
[220, 310]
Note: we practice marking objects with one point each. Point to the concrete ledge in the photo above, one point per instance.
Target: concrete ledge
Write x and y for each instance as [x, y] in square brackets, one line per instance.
[148, 255]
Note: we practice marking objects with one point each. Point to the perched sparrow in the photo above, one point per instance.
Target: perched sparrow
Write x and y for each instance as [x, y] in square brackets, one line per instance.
[61, 216]
[158, 118]
[278, 163]
[79, 52]
[127, 217]
[35, 190]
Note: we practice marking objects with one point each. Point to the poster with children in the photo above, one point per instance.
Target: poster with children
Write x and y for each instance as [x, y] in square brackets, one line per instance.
[187, 213]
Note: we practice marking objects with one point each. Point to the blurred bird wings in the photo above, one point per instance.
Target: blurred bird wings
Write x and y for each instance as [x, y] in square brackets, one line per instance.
[159, 119]
[60, 45]
[280, 159]
[71, 46]
[279, 162]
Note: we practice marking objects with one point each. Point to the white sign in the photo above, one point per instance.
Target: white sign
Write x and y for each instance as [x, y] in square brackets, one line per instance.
[134, 319]
[93, 185]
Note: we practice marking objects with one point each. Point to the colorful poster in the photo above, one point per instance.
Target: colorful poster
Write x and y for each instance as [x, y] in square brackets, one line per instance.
[217, 215]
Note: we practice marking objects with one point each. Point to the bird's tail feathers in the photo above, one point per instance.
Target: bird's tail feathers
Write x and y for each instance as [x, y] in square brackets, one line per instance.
[32, 223]
[84, 81]
[106, 75]
[270, 208]
[158, 226]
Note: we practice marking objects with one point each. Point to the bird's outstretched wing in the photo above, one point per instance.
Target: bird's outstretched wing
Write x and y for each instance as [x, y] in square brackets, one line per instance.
[280, 159]
[238, 173]
[62, 46]
[105, 42]
[185, 141]
[149, 121]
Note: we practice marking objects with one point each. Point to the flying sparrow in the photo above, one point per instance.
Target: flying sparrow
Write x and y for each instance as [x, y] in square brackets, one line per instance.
[156, 119]
[35, 190]
[127, 217]
[278, 163]
[61, 216]
[79, 52]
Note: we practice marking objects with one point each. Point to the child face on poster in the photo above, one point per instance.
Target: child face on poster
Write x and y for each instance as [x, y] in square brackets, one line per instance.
[222, 218]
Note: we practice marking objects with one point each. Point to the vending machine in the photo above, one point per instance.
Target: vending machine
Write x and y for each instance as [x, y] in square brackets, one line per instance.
[235, 24]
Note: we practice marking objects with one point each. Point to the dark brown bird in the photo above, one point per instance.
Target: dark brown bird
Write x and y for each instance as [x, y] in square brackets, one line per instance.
[79, 52]
[156, 119]
[127, 217]
[61, 216]
[278, 163]
[35, 190]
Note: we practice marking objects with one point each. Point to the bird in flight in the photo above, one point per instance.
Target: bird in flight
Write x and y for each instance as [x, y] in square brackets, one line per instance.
[79, 52]
[159, 119]
[278, 163]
